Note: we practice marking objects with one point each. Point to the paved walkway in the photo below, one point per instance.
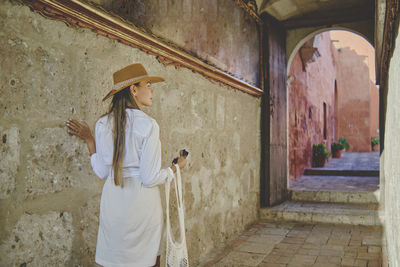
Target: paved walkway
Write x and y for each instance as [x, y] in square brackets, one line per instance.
[355, 161]
[282, 243]
[295, 244]
[335, 183]
[348, 161]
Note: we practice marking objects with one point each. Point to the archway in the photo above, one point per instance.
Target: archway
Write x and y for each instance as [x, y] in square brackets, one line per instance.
[327, 99]
[307, 36]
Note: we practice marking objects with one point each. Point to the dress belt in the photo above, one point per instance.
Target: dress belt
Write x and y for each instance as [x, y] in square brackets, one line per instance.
[127, 173]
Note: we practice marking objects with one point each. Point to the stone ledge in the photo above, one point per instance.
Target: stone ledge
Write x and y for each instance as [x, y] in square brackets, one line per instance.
[352, 214]
[336, 172]
[335, 197]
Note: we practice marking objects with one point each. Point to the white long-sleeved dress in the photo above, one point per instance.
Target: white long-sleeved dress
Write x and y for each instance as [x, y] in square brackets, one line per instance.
[131, 217]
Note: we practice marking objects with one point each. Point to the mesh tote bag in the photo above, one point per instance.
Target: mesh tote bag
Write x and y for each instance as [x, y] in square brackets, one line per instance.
[176, 253]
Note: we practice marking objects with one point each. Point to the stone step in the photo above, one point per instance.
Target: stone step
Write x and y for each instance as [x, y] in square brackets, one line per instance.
[334, 196]
[353, 214]
[336, 172]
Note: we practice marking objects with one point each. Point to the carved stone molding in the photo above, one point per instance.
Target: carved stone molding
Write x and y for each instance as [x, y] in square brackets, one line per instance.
[389, 36]
[80, 14]
[251, 8]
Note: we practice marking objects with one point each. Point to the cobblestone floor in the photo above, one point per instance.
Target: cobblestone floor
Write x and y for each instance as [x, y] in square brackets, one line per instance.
[355, 161]
[335, 183]
[348, 161]
[297, 244]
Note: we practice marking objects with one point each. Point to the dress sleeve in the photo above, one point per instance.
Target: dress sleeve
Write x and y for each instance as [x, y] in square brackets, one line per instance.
[150, 170]
[100, 168]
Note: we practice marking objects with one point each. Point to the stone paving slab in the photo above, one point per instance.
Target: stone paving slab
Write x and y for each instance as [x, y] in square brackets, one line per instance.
[298, 244]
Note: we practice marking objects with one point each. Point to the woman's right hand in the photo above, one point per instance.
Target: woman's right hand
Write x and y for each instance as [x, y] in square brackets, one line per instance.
[182, 162]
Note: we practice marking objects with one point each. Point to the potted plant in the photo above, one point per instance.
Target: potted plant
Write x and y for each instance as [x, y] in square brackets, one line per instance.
[375, 143]
[343, 141]
[320, 155]
[336, 148]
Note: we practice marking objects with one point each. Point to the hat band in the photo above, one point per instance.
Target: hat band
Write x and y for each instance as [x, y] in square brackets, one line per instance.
[124, 83]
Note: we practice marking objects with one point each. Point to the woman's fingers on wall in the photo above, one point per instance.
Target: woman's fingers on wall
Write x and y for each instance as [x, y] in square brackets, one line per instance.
[73, 124]
[76, 128]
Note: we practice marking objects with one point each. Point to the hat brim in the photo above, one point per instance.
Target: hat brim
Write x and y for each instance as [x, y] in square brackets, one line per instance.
[151, 79]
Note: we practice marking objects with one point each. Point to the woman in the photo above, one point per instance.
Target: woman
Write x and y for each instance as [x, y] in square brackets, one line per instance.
[127, 151]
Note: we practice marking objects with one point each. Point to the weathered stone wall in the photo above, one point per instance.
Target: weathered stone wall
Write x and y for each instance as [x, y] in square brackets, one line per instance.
[390, 173]
[308, 91]
[217, 31]
[50, 197]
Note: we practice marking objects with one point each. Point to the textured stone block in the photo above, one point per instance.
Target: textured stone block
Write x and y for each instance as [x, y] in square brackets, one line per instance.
[39, 240]
[348, 261]
[267, 264]
[57, 161]
[255, 247]
[329, 259]
[374, 249]
[372, 240]
[273, 231]
[89, 225]
[303, 259]
[237, 258]
[9, 163]
[266, 239]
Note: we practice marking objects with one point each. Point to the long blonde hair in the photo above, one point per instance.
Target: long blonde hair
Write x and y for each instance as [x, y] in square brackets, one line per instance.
[121, 101]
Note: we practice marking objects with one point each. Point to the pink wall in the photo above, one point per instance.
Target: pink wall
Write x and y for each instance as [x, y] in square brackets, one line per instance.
[308, 91]
[358, 95]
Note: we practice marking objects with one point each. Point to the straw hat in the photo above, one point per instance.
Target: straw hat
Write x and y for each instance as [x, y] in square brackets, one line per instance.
[129, 75]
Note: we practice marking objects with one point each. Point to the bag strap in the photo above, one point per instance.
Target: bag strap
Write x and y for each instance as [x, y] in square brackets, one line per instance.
[178, 186]
[179, 199]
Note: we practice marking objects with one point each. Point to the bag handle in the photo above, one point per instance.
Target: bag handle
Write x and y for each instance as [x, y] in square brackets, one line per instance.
[179, 199]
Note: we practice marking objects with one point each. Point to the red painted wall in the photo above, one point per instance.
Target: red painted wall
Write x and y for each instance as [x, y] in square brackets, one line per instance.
[308, 91]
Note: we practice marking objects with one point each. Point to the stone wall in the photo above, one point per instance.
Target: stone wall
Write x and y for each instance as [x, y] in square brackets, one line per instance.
[50, 197]
[217, 31]
[309, 89]
[390, 171]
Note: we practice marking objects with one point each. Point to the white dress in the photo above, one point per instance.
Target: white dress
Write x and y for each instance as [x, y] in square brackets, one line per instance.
[131, 217]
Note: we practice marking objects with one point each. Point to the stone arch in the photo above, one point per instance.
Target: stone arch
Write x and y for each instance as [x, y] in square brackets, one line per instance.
[307, 35]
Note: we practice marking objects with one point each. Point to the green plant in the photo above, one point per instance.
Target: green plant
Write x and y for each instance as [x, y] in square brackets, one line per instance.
[374, 140]
[344, 143]
[320, 155]
[319, 151]
[335, 146]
